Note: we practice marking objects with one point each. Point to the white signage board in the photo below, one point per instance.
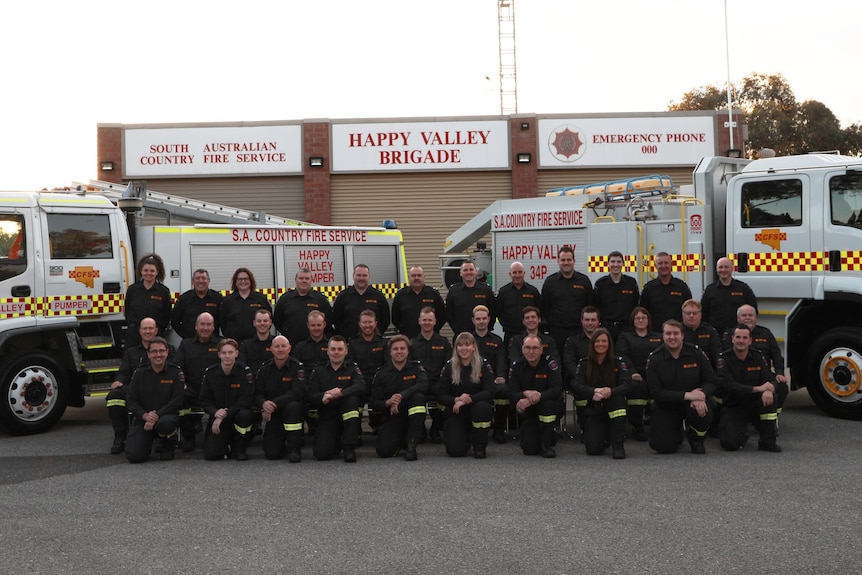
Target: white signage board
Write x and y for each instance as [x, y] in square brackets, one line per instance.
[633, 141]
[212, 151]
[426, 146]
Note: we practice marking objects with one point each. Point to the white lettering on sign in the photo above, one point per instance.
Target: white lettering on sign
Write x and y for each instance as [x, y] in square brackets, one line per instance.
[527, 220]
[72, 305]
[288, 236]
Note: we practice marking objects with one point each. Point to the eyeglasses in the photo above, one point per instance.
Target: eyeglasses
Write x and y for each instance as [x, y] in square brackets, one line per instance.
[532, 347]
[243, 279]
[157, 351]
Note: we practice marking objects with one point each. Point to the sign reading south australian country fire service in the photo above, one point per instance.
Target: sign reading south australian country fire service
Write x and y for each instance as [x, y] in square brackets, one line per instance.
[204, 151]
[568, 142]
[425, 146]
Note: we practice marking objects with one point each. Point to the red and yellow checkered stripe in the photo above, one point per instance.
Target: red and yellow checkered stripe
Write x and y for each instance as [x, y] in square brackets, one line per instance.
[679, 263]
[792, 261]
[100, 304]
[330, 291]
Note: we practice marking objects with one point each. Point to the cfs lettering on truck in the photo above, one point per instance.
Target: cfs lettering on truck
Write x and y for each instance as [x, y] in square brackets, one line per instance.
[67, 258]
[792, 226]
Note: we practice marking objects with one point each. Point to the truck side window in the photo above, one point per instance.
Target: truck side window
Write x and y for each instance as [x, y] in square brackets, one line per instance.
[845, 198]
[772, 203]
[13, 246]
[79, 236]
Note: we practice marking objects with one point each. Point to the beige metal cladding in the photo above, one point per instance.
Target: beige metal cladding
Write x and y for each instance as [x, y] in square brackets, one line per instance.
[428, 207]
[276, 195]
[550, 179]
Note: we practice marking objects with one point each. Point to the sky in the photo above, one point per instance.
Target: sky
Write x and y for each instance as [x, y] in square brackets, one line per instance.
[68, 66]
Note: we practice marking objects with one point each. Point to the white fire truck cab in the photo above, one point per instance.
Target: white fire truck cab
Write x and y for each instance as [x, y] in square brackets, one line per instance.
[791, 225]
[68, 257]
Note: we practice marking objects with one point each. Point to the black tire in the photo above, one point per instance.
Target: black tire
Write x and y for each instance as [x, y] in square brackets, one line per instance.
[32, 394]
[835, 373]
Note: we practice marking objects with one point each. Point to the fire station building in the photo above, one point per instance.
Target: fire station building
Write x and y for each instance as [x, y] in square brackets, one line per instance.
[430, 175]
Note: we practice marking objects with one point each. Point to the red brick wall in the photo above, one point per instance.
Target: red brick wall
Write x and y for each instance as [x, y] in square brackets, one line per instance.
[525, 177]
[109, 140]
[315, 142]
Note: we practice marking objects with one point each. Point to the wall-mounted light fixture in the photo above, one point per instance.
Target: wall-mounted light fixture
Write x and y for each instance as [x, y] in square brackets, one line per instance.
[525, 125]
[106, 166]
[524, 158]
[315, 161]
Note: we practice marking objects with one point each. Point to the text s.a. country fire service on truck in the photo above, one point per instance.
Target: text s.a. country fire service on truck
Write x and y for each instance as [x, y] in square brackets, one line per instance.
[68, 257]
[791, 225]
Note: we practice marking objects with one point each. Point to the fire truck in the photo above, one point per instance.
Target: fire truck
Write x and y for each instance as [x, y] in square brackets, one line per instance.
[68, 256]
[791, 225]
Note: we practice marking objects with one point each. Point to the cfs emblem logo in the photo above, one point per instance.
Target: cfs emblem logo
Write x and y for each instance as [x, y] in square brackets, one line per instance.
[85, 275]
[771, 238]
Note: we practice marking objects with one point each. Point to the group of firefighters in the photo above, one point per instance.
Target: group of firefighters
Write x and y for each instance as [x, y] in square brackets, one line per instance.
[710, 368]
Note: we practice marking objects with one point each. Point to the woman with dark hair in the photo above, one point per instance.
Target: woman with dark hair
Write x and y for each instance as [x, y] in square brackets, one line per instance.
[236, 314]
[147, 297]
[466, 389]
[603, 381]
[635, 347]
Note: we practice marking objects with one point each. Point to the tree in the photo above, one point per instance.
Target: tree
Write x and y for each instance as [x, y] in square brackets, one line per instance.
[775, 119]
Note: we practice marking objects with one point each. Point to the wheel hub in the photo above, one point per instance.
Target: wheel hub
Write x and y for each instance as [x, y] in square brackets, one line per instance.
[841, 374]
[32, 393]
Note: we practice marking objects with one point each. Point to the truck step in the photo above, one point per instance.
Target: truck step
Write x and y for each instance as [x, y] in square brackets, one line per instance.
[101, 365]
[96, 342]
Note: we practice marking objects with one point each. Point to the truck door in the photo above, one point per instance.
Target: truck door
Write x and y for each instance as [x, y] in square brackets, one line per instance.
[842, 232]
[18, 289]
[769, 234]
[83, 260]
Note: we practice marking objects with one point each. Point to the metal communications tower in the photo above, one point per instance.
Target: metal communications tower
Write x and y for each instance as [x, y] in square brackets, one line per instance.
[508, 67]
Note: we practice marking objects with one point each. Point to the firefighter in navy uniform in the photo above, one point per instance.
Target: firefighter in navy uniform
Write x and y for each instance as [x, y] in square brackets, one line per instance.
[433, 351]
[353, 299]
[257, 349]
[147, 297]
[664, 295]
[311, 352]
[512, 298]
[536, 388]
[370, 352]
[464, 296]
[292, 308]
[227, 392]
[154, 398]
[193, 303]
[411, 299]
[194, 356]
[236, 314]
[336, 389]
[398, 393]
[493, 350]
[681, 383]
[564, 295]
[466, 390]
[750, 393]
[603, 381]
[722, 298]
[133, 358]
[280, 388]
[635, 346]
[699, 333]
[616, 295]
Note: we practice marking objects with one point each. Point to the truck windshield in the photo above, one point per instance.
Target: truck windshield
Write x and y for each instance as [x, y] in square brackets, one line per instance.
[845, 198]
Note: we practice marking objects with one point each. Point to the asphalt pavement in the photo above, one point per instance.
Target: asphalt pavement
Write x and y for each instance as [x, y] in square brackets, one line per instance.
[70, 507]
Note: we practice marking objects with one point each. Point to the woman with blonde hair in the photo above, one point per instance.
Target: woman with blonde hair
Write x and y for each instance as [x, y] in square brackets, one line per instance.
[466, 389]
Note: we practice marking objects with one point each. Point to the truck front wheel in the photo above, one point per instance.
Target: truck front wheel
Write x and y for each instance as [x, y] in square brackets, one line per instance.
[835, 373]
[33, 389]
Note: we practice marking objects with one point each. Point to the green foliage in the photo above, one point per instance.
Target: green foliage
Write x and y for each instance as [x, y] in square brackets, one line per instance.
[775, 119]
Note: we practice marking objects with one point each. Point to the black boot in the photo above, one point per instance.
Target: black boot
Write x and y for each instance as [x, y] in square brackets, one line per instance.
[187, 429]
[169, 444]
[695, 441]
[119, 444]
[410, 453]
[239, 447]
[619, 450]
[767, 437]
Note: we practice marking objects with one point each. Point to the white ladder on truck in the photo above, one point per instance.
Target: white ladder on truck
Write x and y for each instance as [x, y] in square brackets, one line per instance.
[188, 208]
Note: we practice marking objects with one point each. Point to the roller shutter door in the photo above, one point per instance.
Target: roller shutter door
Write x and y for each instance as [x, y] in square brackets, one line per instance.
[427, 207]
